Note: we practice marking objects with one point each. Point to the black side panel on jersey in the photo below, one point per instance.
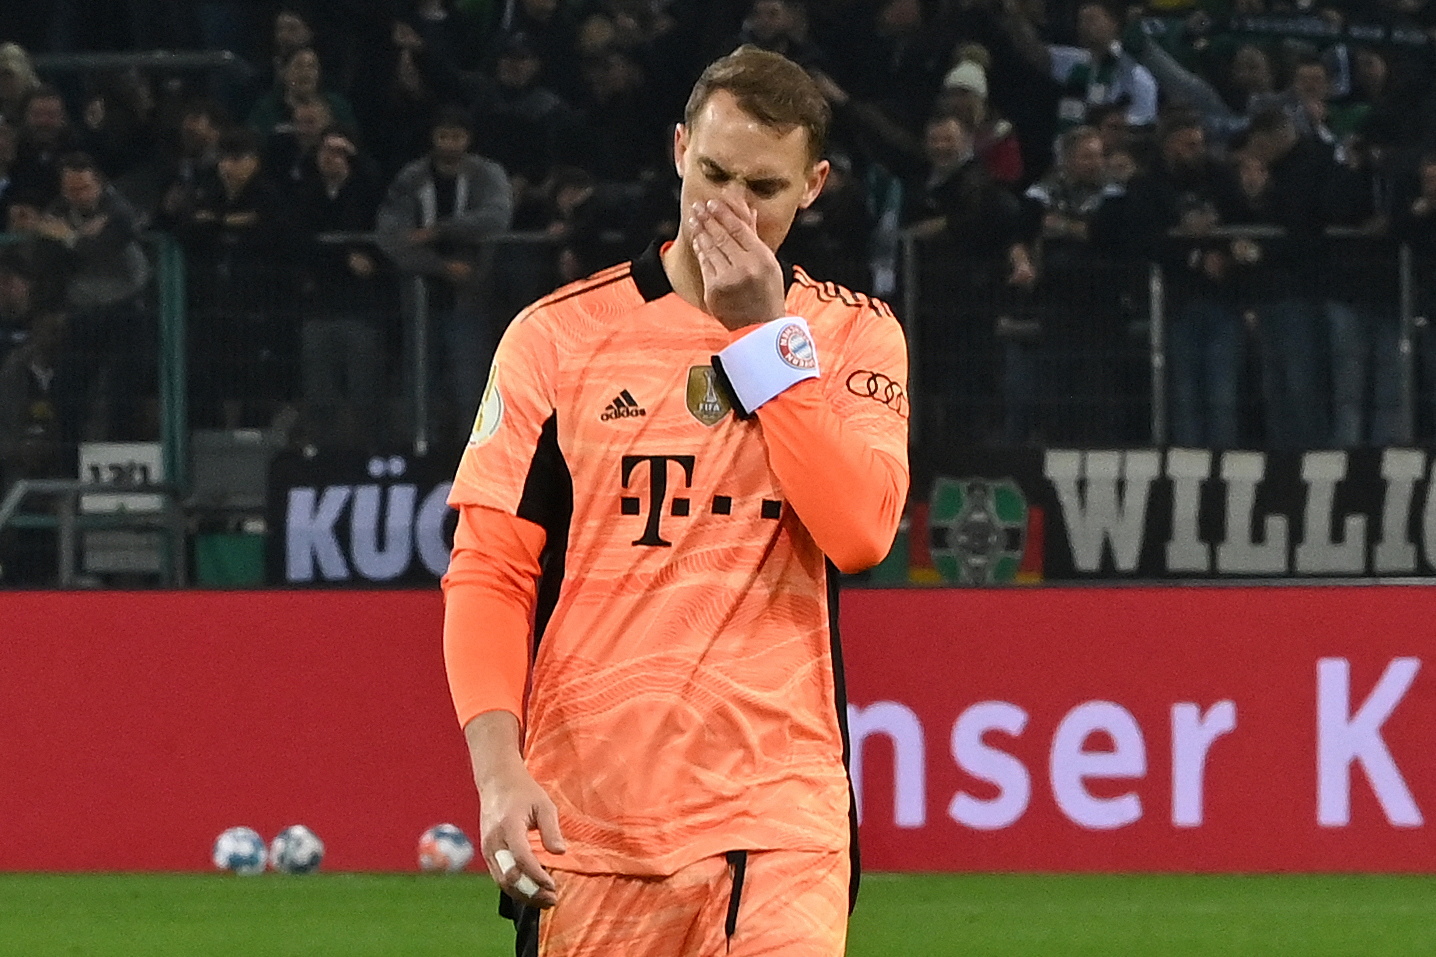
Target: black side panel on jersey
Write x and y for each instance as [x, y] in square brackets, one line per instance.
[548, 501]
[840, 691]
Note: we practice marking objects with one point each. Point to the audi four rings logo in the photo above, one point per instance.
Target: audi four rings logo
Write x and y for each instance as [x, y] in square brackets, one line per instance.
[879, 388]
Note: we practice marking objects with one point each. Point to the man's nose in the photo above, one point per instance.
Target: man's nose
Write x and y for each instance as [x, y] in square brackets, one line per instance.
[736, 195]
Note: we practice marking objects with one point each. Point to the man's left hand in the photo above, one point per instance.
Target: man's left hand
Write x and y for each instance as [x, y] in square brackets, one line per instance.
[742, 281]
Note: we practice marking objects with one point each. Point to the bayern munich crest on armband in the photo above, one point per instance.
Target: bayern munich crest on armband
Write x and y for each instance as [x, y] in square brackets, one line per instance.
[795, 348]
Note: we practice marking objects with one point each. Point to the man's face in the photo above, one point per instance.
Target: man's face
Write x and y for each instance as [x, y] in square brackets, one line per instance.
[301, 74]
[333, 158]
[1428, 179]
[291, 32]
[1371, 71]
[764, 174]
[1184, 148]
[946, 143]
[309, 121]
[1085, 161]
[1096, 30]
[14, 293]
[1251, 70]
[236, 171]
[1309, 82]
[450, 143]
[81, 189]
[198, 134]
[769, 19]
[23, 218]
[517, 69]
[45, 118]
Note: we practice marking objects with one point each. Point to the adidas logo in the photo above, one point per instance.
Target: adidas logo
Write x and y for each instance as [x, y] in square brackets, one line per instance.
[623, 406]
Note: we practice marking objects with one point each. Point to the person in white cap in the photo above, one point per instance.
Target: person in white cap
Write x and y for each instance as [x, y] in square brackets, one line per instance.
[964, 94]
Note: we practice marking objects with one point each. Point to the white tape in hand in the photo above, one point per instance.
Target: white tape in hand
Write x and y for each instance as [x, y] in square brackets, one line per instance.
[525, 885]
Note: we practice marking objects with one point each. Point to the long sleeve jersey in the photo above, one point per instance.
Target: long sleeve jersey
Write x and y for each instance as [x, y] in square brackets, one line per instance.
[648, 581]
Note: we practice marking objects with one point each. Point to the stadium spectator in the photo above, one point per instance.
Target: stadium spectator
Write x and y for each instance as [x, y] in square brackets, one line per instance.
[401, 113]
[46, 260]
[105, 268]
[119, 120]
[237, 240]
[17, 300]
[551, 29]
[17, 82]
[299, 82]
[964, 93]
[831, 237]
[1414, 223]
[164, 188]
[45, 136]
[1173, 209]
[36, 441]
[979, 273]
[894, 60]
[341, 359]
[518, 122]
[1286, 186]
[447, 34]
[1361, 305]
[1097, 71]
[621, 138]
[7, 164]
[1065, 381]
[290, 150]
[1303, 101]
[1226, 102]
[436, 222]
[290, 32]
[778, 25]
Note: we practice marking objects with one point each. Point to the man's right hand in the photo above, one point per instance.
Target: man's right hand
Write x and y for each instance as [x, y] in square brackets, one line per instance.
[511, 804]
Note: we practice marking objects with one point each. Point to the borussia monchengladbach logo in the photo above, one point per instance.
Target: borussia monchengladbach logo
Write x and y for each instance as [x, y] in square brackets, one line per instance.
[977, 529]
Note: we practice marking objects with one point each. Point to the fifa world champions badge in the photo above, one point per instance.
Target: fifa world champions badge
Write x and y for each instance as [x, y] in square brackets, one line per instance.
[795, 348]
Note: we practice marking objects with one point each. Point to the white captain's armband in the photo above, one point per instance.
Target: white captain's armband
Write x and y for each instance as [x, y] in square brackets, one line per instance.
[770, 359]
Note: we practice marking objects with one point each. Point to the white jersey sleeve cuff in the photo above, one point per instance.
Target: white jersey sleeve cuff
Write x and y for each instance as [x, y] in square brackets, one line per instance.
[767, 361]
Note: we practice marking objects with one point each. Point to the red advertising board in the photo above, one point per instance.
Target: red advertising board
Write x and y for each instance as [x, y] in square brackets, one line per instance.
[1252, 729]
[138, 725]
[1136, 729]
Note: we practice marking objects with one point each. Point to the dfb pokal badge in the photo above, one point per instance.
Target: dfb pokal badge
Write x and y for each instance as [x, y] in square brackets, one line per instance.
[704, 400]
[977, 529]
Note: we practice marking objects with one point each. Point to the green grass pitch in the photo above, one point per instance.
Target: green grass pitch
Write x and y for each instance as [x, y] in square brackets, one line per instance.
[968, 915]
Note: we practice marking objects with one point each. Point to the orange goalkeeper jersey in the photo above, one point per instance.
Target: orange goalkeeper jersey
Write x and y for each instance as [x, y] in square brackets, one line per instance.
[685, 695]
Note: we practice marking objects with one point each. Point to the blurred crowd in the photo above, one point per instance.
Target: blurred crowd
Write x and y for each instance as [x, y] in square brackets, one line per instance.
[357, 163]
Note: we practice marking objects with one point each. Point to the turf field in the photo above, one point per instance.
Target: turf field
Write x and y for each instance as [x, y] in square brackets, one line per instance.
[973, 916]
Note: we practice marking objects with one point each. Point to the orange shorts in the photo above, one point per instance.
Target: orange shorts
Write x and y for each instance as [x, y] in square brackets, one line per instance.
[789, 904]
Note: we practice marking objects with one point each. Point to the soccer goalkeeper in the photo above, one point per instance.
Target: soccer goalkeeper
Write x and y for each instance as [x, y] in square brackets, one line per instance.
[671, 462]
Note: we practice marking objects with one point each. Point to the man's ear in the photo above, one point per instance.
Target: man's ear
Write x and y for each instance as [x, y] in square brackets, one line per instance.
[817, 176]
[680, 147]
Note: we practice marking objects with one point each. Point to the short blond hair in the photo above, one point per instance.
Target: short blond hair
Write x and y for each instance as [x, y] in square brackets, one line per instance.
[769, 87]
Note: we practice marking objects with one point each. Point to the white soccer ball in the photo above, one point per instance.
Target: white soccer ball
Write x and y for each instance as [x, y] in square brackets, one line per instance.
[239, 850]
[445, 848]
[296, 850]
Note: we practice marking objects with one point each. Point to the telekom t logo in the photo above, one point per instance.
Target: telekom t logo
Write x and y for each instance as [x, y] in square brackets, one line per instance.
[657, 492]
